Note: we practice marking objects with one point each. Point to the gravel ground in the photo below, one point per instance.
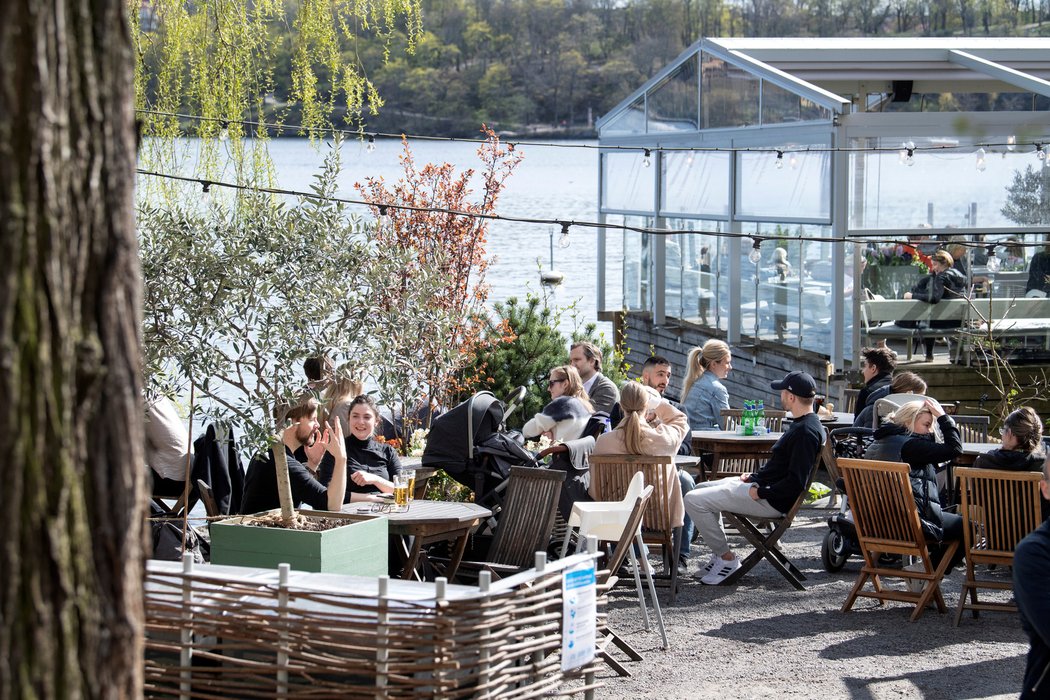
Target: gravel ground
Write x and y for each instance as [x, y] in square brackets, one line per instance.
[763, 639]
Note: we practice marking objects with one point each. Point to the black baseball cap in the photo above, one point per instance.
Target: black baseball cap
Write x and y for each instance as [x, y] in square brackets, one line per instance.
[798, 383]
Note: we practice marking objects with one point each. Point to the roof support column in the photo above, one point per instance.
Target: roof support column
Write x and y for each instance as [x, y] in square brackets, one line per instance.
[839, 229]
[659, 248]
[735, 247]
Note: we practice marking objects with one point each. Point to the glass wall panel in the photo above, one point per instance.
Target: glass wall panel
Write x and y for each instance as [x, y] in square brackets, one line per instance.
[629, 121]
[787, 294]
[798, 186]
[940, 188]
[695, 182]
[633, 251]
[780, 106]
[697, 286]
[674, 103]
[730, 95]
[627, 184]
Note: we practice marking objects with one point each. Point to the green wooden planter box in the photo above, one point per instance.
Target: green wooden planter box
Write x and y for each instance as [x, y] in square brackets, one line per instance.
[358, 548]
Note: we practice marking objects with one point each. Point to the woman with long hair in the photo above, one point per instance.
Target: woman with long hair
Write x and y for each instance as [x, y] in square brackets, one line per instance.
[340, 393]
[907, 436]
[1022, 448]
[704, 393]
[650, 425]
[371, 465]
[564, 380]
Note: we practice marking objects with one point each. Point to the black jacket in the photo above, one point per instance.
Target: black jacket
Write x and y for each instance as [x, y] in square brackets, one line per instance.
[1031, 573]
[784, 476]
[260, 484]
[894, 443]
[866, 416]
[879, 381]
[369, 456]
[950, 284]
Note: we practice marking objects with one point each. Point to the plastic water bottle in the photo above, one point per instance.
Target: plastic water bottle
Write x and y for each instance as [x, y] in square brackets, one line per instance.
[760, 417]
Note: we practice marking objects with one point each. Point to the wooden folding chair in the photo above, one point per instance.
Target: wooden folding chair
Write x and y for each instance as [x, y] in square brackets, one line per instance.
[998, 509]
[887, 522]
[850, 397]
[525, 523]
[610, 477]
[764, 535]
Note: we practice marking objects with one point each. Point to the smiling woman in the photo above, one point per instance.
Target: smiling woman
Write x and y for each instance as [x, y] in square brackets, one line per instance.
[371, 465]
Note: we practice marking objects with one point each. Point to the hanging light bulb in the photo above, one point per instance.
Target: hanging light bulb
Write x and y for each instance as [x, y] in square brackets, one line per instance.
[564, 241]
[647, 160]
[793, 161]
[1039, 152]
[1011, 142]
[371, 143]
[205, 186]
[981, 164]
[383, 221]
[992, 264]
[224, 130]
[780, 160]
[909, 155]
[690, 158]
[755, 255]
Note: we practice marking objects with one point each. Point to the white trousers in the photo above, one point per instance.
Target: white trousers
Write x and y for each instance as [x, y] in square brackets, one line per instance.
[705, 504]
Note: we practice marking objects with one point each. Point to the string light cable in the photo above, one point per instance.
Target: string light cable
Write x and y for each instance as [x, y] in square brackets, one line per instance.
[382, 210]
[370, 137]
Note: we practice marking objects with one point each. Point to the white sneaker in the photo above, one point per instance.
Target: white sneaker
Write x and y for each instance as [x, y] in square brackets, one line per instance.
[719, 573]
[706, 568]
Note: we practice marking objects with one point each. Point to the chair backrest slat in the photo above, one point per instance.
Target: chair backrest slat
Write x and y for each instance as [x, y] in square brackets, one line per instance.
[611, 475]
[999, 508]
[731, 418]
[527, 520]
[972, 428]
[882, 503]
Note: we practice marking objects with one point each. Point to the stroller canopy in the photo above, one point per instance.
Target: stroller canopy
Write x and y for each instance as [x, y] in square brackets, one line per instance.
[453, 436]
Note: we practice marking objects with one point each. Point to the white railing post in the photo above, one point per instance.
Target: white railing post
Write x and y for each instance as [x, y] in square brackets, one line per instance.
[186, 636]
[283, 622]
[484, 678]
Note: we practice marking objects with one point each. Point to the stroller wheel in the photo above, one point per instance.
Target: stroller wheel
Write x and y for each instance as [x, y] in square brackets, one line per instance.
[833, 552]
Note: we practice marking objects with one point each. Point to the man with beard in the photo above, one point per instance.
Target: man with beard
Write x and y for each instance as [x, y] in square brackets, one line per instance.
[302, 432]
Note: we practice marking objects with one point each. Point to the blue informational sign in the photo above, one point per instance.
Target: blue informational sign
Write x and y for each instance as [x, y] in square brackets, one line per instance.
[579, 616]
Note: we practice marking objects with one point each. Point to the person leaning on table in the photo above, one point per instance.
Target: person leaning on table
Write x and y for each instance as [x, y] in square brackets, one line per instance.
[772, 490]
[944, 281]
[1031, 574]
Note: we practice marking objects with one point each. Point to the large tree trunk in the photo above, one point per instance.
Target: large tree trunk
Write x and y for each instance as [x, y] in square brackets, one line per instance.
[71, 500]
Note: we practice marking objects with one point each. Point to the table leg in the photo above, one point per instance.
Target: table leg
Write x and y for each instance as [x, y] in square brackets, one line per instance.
[413, 558]
[458, 548]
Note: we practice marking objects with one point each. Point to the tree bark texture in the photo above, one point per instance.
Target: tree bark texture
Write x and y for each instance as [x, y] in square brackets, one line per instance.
[72, 498]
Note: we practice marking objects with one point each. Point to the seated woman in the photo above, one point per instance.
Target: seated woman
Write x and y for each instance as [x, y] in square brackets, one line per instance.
[565, 381]
[371, 465]
[943, 282]
[907, 436]
[651, 426]
[901, 383]
[705, 394]
[302, 431]
[1022, 448]
[564, 420]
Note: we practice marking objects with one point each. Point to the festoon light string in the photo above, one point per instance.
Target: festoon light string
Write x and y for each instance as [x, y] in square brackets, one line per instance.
[382, 210]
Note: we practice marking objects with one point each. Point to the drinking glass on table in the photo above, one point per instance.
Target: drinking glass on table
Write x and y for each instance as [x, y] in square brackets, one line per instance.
[401, 490]
[411, 474]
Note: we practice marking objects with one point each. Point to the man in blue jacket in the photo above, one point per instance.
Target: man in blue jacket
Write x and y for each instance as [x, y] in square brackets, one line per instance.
[769, 492]
[1032, 591]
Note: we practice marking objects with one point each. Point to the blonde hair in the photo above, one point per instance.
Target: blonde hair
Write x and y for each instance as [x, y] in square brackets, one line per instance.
[634, 400]
[573, 385]
[700, 358]
[944, 258]
[906, 415]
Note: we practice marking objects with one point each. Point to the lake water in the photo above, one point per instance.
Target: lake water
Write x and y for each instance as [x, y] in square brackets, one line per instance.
[550, 183]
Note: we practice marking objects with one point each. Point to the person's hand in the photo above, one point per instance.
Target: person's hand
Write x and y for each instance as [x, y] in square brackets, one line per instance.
[745, 478]
[362, 478]
[907, 295]
[935, 408]
[337, 443]
[316, 446]
[753, 492]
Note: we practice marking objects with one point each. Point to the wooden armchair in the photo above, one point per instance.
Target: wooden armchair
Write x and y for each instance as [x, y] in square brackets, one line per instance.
[525, 523]
[972, 428]
[610, 478]
[887, 522]
[998, 509]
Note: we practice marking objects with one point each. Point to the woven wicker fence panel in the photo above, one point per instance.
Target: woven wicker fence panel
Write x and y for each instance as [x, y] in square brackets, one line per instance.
[256, 640]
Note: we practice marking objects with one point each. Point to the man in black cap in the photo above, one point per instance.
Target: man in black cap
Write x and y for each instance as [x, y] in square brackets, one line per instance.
[769, 492]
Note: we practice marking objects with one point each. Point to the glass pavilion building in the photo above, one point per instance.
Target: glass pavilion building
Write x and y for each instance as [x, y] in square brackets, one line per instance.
[822, 152]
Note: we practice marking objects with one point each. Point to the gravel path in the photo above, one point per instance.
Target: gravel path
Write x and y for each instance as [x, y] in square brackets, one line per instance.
[763, 639]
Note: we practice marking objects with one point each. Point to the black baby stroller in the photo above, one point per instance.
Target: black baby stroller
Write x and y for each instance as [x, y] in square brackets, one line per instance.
[471, 443]
[841, 541]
